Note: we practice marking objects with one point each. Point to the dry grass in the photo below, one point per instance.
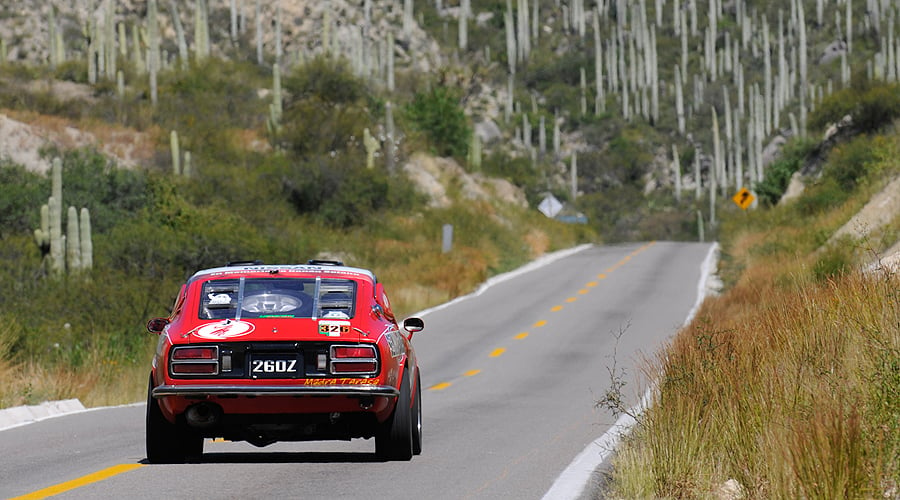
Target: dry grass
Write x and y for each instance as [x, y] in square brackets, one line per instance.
[99, 382]
[788, 385]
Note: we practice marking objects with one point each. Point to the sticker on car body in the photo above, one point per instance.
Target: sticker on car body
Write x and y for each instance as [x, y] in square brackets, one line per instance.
[223, 330]
[340, 381]
[392, 336]
[333, 328]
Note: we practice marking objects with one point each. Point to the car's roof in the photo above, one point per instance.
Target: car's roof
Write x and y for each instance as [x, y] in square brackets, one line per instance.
[287, 270]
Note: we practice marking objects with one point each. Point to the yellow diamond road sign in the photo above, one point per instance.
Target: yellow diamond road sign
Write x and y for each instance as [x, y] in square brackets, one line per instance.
[743, 198]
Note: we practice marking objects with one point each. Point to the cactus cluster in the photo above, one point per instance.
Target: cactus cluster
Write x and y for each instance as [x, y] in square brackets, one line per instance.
[372, 146]
[179, 167]
[74, 252]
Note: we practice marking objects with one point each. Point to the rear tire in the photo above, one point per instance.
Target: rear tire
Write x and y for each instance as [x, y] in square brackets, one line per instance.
[394, 439]
[417, 418]
[169, 443]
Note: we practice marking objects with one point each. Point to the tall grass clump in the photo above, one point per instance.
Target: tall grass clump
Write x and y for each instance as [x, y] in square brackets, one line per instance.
[786, 390]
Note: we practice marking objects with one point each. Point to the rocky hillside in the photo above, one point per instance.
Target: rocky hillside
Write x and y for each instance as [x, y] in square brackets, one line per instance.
[581, 93]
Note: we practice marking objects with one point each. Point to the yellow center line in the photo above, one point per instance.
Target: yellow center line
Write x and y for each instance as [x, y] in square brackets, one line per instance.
[591, 284]
[521, 336]
[540, 323]
[571, 299]
[556, 308]
[440, 387]
[471, 373]
[583, 291]
[497, 352]
[601, 276]
[78, 483]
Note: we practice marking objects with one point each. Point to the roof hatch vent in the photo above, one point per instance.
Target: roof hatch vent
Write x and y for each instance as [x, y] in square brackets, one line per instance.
[244, 263]
[318, 262]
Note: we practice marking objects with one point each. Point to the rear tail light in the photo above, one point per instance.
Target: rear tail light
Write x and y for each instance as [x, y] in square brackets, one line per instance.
[194, 353]
[348, 351]
[195, 369]
[195, 360]
[354, 360]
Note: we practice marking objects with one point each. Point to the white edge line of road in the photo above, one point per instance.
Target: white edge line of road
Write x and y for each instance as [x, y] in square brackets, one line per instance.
[23, 415]
[573, 481]
[18, 416]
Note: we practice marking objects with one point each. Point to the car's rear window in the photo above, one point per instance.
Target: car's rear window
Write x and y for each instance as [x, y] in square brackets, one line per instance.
[278, 298]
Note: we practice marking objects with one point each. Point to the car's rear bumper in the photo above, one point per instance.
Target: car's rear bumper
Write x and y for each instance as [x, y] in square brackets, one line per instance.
[225, 391]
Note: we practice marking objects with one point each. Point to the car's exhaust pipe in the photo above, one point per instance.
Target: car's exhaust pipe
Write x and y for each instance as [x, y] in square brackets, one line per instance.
[203, 415]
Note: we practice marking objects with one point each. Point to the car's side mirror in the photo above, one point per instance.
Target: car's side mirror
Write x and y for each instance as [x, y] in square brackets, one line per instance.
[413, 325]
[156, 325]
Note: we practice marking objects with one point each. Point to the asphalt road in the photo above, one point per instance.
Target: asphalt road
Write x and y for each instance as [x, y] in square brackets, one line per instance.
[511, 376]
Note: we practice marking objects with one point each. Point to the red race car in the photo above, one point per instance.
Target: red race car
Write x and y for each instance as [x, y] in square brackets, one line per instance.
[266, 353]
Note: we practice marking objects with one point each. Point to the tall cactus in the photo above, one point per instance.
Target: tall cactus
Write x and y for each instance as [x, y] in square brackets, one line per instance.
[474, 153]
[57, 252]
[463, 25]
[372, 146]
[74, 249]
[676, 171]
[389, 139]
[153, 58]
[201, 30]
[276, 110]
[179, 34]
[87, 244]
[176, 152]
[42, 234]
[188, 169]
[73, 241]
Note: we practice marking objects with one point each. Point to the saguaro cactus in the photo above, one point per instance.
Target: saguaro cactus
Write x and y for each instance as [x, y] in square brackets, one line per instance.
[73, 241]
[372, 147]
[153, 58]
[74, 249]
[176, 152]
[57, 252]
[87, 244]
[389, 139]
[474, 153]
[42, 234]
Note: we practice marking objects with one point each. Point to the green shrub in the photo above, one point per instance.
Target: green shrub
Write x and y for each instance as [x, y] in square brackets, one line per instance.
[877, 107]
[835, 260]
[520, 171]
[625, 162]
[871, 106]
[852, 162]
[327, 80]
[173, 236]
[205, 100]
[325, 108]
[439, 115]
[341, 192]
[21, 198]
[546, 67]
[92, 180]
[778, 175]
[819, 197]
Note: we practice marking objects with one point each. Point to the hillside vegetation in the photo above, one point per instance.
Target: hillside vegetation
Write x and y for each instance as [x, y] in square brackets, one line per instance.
[788, 384]
[293, 130]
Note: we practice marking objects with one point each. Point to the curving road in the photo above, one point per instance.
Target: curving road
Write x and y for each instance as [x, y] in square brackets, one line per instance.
[511, 374]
